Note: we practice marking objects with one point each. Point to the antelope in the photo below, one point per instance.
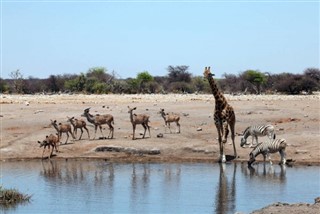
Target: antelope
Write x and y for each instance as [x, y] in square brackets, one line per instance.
[51, 140]
[78, 124]
[139, 119]
[168, 118]
[98, 120]
[62, 128]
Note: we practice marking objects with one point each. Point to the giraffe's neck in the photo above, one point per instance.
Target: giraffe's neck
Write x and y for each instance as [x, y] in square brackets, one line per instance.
[220, 99]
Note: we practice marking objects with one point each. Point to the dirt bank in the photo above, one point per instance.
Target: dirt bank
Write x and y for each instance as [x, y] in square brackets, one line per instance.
[26, 119]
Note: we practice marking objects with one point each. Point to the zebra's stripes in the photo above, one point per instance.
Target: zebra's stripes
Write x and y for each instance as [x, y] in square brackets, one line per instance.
[255, 131]
[265, 148]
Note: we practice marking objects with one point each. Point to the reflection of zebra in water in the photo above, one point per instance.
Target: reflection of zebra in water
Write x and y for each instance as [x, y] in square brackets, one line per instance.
[257, 130]
[265, 148]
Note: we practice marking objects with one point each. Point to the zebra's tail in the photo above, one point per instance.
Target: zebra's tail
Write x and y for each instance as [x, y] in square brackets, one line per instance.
[274, 136]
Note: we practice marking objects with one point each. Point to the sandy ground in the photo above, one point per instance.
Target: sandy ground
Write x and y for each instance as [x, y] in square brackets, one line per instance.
[25, 119]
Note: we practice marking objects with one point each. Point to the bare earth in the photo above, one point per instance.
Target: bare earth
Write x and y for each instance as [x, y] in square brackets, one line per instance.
[25, 119]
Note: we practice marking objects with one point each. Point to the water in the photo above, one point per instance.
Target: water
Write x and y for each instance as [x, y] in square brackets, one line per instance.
[104, 187]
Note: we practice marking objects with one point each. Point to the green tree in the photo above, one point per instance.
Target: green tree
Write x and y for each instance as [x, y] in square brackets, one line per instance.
[76, 84]
[256, 79]
[142, 79]
[132, 86]
[199, 83]
[99, 73]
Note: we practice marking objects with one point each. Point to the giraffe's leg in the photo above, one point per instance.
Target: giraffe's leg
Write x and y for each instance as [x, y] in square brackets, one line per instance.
[232, 129]
[225, 131]
[222, 157]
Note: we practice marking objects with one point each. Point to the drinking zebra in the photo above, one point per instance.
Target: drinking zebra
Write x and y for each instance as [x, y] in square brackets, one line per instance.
[265, 148]
[255, 131]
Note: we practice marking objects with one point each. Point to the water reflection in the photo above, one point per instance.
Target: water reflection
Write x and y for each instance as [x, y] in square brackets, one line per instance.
[98, 186]
[226, 191]
[267, 174]
[139, 186]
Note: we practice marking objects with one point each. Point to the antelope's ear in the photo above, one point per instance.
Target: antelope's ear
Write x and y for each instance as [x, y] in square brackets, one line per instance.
[39, 142]
[134, 108]
[209, 68]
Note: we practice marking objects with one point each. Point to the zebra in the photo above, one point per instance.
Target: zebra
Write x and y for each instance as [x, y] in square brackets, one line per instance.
[265, 148]
[255, 131]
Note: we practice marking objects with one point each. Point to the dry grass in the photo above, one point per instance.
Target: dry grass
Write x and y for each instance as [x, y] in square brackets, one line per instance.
[12, 197]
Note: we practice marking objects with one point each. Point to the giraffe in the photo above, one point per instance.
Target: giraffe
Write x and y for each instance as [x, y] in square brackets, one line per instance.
[223, 116]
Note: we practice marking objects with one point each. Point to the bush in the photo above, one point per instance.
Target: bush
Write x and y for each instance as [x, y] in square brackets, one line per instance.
[178, 87]
[11, 197]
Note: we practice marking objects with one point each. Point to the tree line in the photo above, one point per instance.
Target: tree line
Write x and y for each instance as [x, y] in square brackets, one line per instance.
[98, 80]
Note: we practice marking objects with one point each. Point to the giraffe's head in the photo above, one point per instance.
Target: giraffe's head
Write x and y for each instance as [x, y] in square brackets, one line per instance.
[207, 73]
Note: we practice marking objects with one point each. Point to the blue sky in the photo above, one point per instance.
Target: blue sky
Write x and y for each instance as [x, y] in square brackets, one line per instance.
[68, 37]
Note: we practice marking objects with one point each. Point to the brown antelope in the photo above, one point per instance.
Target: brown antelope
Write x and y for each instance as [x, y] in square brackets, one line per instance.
[62, 128]
[169, 118]
[139, 119]
[78, 124]
[50, 141]
[98, 120]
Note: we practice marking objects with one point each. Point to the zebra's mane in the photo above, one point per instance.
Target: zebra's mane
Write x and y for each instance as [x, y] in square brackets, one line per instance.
[246, 130]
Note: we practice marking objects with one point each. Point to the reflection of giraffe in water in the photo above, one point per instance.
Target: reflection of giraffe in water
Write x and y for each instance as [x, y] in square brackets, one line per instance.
[226, 192]
[223, 116]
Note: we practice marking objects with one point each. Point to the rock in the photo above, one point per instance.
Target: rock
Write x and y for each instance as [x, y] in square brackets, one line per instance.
[199, 129]
[160, 135]
[38, 111]
[301, 151]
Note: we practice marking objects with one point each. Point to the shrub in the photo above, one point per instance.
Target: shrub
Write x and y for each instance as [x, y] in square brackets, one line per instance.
[11, 197]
